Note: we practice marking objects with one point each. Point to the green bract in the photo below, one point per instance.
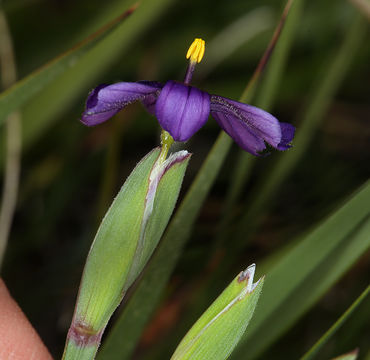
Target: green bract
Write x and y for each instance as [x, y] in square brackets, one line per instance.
[219, 329]
[124, 242]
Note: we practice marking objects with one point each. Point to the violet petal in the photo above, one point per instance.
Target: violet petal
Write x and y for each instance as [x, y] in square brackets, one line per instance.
[182, 110]
[287, 134]
[106, 100]
[249, 126]
[241, 134]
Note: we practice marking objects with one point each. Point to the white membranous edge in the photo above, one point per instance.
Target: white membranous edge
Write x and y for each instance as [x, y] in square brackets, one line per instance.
[248, 276]
[158, 170]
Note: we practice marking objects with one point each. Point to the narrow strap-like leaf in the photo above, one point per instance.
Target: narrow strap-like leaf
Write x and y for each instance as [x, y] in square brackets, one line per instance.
[307, 271]
[21, 92]
[335, 327]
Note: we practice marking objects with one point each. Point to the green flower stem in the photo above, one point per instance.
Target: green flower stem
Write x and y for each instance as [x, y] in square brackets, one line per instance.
[81, 351]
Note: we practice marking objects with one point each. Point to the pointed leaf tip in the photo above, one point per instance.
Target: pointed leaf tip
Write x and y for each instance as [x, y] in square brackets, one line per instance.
[219, 329]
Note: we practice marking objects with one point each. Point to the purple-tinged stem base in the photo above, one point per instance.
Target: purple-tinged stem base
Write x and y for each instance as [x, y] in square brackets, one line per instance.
[82, 342]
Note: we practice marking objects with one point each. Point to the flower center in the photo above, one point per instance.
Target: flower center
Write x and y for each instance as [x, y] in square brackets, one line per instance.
[195, 55]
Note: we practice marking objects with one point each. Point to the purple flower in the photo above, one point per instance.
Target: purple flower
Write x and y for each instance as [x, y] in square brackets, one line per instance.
[182, 110]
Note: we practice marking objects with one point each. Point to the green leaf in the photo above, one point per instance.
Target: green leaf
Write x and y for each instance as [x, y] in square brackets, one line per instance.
[219, 329]
[17, 95]
[307, 271]
[333, 329]
[126, 238]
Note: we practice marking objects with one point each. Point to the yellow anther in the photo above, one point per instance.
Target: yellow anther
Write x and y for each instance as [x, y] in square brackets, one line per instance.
[196, 50]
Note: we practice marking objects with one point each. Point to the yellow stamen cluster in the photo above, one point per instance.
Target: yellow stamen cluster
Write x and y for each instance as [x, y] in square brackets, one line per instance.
[196, 50]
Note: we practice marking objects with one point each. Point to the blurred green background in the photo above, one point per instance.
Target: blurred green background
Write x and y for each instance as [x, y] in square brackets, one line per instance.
[70, 173]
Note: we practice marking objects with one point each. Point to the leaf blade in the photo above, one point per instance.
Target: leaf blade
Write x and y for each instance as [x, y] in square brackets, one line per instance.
[218, 330]
[17, 95]
[333, 329]
[339, 242]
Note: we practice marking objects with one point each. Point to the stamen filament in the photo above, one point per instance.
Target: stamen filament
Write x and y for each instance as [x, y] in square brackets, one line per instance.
[195, 55]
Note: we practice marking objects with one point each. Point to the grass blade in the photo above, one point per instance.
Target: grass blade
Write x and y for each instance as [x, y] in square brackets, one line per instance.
[21, 92]
[333, 329]
[309, 270]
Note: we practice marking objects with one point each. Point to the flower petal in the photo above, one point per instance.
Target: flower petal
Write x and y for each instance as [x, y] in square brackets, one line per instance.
[287, 134]
[241, 134]
[106, 100]
[249, 126]
[182, 110]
